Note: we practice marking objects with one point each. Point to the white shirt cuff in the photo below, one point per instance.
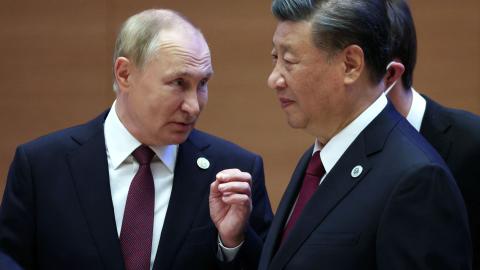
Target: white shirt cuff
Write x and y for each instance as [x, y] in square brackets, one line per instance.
[226, 254]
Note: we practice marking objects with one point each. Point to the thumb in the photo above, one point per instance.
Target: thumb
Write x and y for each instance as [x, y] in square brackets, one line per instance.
[214, 189]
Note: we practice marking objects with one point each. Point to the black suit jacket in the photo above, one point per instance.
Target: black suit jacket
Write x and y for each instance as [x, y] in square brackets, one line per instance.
[456, 136]
[7, 263]
[57, 210]
[404, 211]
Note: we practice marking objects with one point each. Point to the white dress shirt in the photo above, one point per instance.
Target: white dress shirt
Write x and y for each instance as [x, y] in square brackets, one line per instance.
[331, 152]
[417, 110]
[338, 144]
[122, 167]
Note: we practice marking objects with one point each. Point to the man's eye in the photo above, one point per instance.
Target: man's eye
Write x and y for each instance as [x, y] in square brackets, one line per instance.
[288, 61]
[178, 82]
[203, 82]
[274, 58]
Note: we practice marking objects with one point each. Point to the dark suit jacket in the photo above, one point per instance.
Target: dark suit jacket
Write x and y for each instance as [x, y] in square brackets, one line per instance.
[403, 212]
[455, 134]
[57, 210]
[7, 263]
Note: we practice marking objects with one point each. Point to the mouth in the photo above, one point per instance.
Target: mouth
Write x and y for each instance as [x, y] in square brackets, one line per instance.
[285, 102]
[183, 126]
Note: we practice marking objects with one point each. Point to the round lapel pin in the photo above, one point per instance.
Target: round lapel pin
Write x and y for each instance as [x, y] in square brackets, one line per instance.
[356, 171]
[203, 163]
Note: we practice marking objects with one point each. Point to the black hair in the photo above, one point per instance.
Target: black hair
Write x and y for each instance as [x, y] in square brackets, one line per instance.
[337, 24]
[404, 38]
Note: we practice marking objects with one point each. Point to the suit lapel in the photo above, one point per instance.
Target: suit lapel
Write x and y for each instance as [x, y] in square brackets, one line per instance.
[435, 127]
[89, 168]
[283, 211]
[190, 186]
[337, 184]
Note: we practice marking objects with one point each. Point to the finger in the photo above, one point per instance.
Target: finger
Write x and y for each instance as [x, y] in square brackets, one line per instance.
[229, 171]
[237, 199]
[234, 175]
[235, 187]
[214, 189]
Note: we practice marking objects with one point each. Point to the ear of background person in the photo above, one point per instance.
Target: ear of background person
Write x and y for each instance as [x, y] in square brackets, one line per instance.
[56, 63]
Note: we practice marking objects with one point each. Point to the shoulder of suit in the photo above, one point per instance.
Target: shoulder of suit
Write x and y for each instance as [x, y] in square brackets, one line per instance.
[62, 139]
[218, 144]
[413, 146]
[464, 122]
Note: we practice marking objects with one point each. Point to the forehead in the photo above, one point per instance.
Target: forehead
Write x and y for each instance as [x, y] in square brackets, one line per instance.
[185, 53]
[292, 35]
[189, 39]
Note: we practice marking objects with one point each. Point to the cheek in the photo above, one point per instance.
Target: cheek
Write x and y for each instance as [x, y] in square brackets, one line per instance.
[202, 97]
[161, 108]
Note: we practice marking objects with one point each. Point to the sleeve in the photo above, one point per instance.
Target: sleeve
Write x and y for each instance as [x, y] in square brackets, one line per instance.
[424, 224]
[226, 254]
[17, 218]
[257, 228]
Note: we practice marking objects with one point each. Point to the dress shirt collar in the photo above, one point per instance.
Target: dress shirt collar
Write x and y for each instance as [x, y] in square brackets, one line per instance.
[417, 110]
[120, 143]
[336, 147]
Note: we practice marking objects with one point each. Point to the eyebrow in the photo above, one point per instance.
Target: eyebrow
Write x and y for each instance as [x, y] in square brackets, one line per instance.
[185, 73]
[284, 47]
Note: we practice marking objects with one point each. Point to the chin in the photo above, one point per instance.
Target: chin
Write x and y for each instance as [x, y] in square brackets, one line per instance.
[179, 138]
[295, 123]
[168, 140]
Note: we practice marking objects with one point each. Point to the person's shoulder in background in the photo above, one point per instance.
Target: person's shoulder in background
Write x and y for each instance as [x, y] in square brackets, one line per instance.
[7, 263]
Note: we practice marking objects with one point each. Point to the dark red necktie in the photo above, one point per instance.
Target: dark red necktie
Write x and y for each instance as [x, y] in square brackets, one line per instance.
[314, 173]
[137, 223]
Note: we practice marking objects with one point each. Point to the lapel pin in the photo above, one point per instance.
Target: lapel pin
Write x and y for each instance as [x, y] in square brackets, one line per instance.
[356, 171]
[203, 163]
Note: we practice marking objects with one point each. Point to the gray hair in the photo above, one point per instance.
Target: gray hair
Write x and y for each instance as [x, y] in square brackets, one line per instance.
[336, 24]
[140, 35]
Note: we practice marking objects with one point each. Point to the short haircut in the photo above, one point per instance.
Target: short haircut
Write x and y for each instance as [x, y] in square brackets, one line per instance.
[336, 24]
[404, 38]
[140, 35]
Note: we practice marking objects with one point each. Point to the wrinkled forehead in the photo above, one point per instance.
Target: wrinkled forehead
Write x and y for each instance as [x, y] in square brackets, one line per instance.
[187, 40]
[186, 53]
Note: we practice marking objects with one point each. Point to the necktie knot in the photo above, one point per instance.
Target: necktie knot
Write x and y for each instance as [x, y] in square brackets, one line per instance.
[143, 154]
[315, 167]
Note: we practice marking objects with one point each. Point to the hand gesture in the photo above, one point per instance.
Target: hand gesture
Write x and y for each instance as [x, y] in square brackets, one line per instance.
[230, 205]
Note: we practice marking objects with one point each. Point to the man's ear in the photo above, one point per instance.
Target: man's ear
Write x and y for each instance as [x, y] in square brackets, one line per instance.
[123, 69]
[394, 72]
[354, 63]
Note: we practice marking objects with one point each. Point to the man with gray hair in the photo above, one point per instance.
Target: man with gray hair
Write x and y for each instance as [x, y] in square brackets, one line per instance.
[370, 193]
[138, 187]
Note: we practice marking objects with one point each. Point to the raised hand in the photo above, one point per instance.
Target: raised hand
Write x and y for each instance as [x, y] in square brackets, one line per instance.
[230, 205]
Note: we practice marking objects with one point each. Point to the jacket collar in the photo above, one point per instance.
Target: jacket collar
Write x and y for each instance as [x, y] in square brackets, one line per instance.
[435, 126]
[89, 169]
[335, 187]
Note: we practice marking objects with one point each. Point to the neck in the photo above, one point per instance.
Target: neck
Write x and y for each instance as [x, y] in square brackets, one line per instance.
[402, 99]
[359, 103]
[127, 121]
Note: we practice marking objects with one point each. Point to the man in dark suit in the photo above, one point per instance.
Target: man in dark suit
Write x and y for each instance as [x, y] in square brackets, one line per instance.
[371, 193]
[455, 134]
[130, 189]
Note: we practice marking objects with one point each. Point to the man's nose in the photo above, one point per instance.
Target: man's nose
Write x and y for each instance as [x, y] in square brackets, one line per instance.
[276, 80]
[191, 104]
